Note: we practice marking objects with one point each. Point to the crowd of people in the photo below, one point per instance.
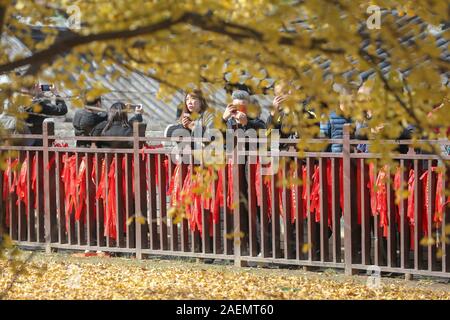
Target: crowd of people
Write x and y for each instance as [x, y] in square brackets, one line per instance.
[196, 116]
[244, 112]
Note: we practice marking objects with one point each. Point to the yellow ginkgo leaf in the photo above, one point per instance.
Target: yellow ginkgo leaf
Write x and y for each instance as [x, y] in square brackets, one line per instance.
[141, 220]
[130, 220]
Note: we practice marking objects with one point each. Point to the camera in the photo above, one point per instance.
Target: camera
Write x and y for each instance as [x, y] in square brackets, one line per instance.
[46, 87]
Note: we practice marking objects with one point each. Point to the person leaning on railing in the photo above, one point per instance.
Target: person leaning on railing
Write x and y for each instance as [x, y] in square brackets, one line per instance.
[236, 116]
[85, 120]
[117, 125]
[196, 116]
[42, 108]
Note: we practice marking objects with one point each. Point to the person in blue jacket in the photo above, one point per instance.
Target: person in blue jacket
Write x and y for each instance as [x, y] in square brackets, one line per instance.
[333, 128]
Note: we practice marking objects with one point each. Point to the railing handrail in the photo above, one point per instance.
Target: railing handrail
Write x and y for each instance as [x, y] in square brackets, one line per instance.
[240, 139]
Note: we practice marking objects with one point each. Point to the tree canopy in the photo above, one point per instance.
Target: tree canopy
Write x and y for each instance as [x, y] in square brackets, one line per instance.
[318, 46]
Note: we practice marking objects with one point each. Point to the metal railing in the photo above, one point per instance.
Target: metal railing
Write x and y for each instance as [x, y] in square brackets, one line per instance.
[329, 220]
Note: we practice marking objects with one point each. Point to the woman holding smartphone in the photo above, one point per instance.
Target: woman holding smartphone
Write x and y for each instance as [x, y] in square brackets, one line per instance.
[195, 114]
[196, 118]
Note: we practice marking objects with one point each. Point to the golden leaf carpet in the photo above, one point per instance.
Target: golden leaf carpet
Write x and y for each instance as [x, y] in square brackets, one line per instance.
[64, 276]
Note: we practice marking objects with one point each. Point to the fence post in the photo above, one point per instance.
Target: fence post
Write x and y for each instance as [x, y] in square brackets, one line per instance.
[48, 129]
[138, 131]
[348, 208]
[237, 204]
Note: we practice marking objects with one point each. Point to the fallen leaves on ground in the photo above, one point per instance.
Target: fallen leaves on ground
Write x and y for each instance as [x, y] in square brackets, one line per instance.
[119, 278]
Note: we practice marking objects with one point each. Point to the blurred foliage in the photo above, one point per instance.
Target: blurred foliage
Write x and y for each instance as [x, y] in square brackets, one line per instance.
[186, 43]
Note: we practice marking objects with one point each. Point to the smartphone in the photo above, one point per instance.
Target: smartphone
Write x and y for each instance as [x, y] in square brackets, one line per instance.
[46, 87]
[187, 114]
[241, 108]
[133, 107]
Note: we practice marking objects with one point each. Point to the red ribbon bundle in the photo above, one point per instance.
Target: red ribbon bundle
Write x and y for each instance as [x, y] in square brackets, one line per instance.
[230, 184]
[219, 199]
[186, 196]
[147, 158]
[175, 187]
[378, 197]
[192, 201]
[21, 183]
[108, 177]
[315, 191]
[81, 187]
[68, 177]
[440, 204]
[9, 174]
[266, 186]
[381, 199]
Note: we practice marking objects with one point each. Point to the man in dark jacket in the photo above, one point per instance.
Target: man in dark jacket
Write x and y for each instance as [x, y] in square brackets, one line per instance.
[236, 117]
[86, 119]
[43, 108]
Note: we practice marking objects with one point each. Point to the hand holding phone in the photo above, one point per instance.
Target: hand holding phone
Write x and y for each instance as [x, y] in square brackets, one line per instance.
[186, 121]
[230, 111]
[187, 115]
[138, 108]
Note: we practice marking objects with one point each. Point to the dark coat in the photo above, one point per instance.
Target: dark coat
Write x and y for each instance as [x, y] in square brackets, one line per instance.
[279, 123]
[360, 134]
[84, 122]
[46, 108]
[252, 123]
[116, 130]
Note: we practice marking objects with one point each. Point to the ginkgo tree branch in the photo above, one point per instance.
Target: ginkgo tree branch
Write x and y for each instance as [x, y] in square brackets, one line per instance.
[408, 109]
[204, 22]
[71, 41]
[3, 9]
